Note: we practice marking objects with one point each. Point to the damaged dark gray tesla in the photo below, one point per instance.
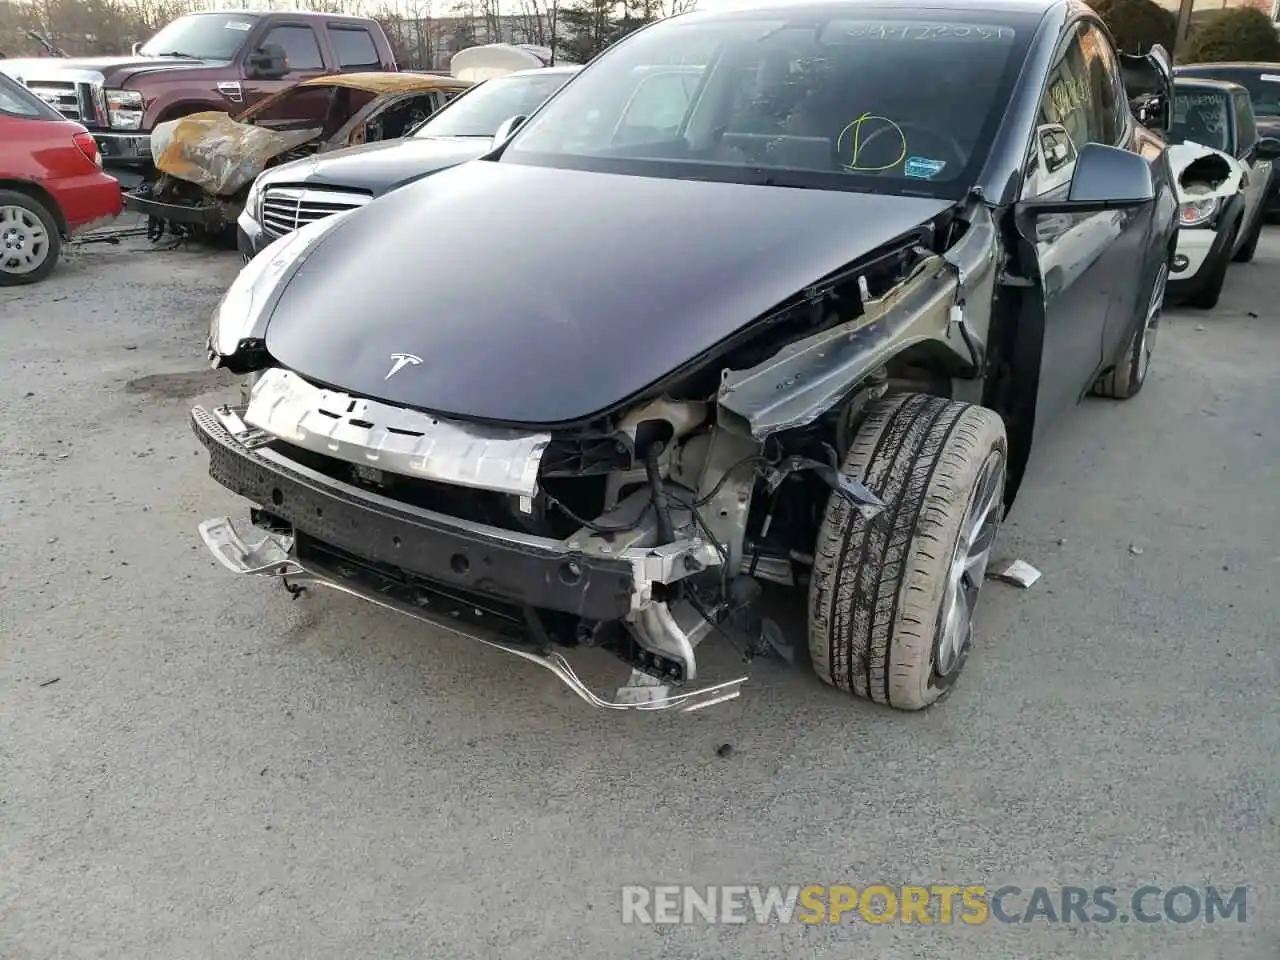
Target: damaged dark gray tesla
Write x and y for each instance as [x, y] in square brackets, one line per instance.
[781, 294]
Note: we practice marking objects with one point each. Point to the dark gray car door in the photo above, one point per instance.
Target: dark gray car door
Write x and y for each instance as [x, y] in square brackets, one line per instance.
[1075, 252]
[1129, 254]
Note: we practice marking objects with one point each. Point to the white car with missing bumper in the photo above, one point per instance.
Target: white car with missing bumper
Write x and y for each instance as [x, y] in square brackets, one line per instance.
[1223, 170]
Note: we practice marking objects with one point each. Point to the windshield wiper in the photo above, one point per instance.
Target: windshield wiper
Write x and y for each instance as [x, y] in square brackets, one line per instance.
[179, 54]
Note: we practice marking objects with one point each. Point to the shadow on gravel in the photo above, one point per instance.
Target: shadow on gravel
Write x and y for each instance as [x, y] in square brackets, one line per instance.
[181, 386]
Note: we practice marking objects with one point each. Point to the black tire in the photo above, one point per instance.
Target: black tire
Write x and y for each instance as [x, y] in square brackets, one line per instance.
[880, 586]
[30, 213]
[1246, 252]
[1206, 298]
[1126, 378]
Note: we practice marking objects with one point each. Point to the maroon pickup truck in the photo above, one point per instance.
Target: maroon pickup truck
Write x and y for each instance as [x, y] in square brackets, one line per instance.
[204, 61]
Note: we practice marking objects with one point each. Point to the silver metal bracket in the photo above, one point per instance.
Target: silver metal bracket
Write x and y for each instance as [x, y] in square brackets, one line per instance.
[271, 556]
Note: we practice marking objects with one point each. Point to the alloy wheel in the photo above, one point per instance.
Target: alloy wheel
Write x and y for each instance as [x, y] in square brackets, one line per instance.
[24, 241]
[968, 567]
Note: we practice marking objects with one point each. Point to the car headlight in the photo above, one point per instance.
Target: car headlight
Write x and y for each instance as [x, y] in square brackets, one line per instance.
[252, 197]
[124, 109]
[254, 288]
[1198, 213]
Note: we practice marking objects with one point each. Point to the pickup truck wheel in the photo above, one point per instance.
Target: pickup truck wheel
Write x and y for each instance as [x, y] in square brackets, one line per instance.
[30, 241]
[891, 599]
[1126, 378]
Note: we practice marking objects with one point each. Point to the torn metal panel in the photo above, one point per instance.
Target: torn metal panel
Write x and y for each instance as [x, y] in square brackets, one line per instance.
[806, 378]
[1202, 173]
[974, 260]
[218, 154]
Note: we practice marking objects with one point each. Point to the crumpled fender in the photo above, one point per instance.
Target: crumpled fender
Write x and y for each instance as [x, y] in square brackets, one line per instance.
[1202, 173]
[218, 154]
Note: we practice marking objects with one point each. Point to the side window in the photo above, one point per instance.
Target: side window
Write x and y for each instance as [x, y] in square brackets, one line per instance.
[298, 103]
[1081, 104]
[656, 109]
[1246, 128]
[300, 47]
[354, 48]
[1265, 90]
[1110, 102]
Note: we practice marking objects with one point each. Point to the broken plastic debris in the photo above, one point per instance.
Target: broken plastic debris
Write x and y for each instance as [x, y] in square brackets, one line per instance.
[1018, 572]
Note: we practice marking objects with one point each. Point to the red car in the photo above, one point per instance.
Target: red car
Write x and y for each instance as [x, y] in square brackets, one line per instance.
[51, 184]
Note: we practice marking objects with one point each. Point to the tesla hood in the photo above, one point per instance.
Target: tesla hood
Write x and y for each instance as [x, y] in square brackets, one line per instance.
[533, 295]
[381, 166]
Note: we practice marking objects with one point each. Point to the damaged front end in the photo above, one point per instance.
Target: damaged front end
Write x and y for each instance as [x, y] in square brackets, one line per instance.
[641, 532]
[1206, 180]
[206, 163]
[1211, 215]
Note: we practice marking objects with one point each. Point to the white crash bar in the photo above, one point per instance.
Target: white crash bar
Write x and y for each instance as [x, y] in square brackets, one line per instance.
[395, 439]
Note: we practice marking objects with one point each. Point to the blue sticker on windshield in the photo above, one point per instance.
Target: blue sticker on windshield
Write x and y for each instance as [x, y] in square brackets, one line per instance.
[922, 168]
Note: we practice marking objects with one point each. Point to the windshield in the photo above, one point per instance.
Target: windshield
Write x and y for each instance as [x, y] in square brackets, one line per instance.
[1201, 117]
[894, 103]
[206, 36]
[1264, 88]
[482, 109]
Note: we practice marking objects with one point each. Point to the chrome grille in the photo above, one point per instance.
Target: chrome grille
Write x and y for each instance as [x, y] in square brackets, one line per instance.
[285, 209]
[63, 97]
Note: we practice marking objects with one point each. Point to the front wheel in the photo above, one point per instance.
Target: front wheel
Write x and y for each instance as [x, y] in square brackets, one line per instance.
[892, 598]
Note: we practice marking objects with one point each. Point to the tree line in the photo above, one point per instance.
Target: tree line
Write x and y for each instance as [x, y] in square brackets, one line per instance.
[423, 33]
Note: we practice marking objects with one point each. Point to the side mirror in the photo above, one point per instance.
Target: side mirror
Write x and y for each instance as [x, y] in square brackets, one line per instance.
[1269, 149]
[506, 128]
[1105, 178]
[268, 62]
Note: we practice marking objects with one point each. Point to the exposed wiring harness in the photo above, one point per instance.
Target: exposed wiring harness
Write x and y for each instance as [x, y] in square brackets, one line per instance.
[666, 529]
[620, 527]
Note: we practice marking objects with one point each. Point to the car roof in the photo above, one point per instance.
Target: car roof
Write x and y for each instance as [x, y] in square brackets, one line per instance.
[541, 71]
[788, 9]
[387, 82]
[1232, 65]
[1208, 83]
[308, 14]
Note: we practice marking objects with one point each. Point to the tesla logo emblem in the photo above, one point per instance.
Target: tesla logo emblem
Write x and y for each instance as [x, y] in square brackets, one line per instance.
[401, 360]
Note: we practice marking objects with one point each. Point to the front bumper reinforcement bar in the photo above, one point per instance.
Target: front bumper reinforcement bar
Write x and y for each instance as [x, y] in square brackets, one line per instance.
[509, 566]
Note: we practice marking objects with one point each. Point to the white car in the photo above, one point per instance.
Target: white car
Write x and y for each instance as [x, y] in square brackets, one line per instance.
[1222, 169]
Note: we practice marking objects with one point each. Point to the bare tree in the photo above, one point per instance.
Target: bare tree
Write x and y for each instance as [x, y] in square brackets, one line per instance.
[538, 21]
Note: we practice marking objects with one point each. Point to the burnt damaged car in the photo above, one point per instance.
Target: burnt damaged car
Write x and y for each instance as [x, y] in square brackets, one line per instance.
[206, 162]
[781, 294]
[292, 194]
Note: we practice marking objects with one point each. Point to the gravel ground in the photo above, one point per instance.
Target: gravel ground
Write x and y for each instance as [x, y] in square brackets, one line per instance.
[192, 766]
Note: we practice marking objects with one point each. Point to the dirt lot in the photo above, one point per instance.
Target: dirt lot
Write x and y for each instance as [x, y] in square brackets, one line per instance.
[192, 766]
